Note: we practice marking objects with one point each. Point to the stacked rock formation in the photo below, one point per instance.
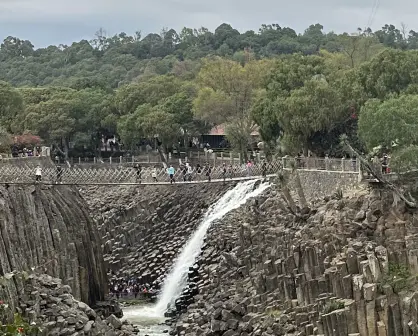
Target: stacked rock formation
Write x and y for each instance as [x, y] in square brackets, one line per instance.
[46, 302]
[145, 227]
[350, 268]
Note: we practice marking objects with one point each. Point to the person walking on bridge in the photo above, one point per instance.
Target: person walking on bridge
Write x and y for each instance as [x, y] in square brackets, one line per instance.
[38, 173]
[208, 172]
[264, 169]
[189, 172]
[224, 171]
[171, 171]
[154, 174]
[59, 174]
[184, 171]
[138, 169]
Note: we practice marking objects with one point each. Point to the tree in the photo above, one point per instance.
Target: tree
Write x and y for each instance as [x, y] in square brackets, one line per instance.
[264, 114]
[390, 123]
[359, 48]
[391, 71]
[11, 104]
[314, 107]
[227, 92]
[63, 115]
[129, 97]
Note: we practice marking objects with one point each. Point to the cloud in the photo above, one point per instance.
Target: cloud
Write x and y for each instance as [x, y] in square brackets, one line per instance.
[78, 18]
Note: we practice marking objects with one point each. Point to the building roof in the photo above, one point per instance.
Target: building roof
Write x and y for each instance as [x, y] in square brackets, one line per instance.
[220, 130]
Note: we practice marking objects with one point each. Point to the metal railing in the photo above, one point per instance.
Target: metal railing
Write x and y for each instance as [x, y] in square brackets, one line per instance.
[128, 175]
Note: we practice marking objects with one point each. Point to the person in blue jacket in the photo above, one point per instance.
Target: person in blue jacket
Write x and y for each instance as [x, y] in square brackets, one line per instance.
[171, 173]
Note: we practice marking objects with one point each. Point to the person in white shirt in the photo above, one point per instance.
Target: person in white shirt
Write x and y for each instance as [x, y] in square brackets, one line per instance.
[154, 174]
[38, 174]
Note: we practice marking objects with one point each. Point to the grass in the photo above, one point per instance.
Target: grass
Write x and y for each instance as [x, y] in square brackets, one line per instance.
[274, 313]
[397, 277]
[332, 306]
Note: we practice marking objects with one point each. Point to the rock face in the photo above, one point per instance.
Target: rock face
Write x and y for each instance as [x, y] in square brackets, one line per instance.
[143, 228]
[49, 303]
[49, 229]
[349, 269]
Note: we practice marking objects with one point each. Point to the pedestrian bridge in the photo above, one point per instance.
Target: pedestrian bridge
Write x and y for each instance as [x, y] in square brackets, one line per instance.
[24, 172]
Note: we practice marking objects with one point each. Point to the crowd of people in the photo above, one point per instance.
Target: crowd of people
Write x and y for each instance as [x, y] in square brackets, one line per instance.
[189, 173]
[131, 289]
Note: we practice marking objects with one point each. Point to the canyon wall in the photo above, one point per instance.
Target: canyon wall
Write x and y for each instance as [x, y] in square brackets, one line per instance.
[48, 229]
[144, 227]
[348, 268]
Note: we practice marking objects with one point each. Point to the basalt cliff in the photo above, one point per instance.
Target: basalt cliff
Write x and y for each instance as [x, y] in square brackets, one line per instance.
[46, 232]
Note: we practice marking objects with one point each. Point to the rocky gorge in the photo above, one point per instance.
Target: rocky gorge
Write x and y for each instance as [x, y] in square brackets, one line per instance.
[345, 265]
[143, 228]
[51, 262]
[349, 268]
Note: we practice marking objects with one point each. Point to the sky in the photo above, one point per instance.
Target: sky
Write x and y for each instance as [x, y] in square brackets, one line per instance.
[46, 22]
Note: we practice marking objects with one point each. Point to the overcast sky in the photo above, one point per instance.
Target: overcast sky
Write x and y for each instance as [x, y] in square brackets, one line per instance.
[46, 22]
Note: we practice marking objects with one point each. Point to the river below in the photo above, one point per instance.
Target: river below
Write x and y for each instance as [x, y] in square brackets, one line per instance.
[146, 320]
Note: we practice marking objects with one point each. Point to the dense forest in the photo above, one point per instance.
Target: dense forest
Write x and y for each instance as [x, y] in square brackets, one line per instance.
[302, 89]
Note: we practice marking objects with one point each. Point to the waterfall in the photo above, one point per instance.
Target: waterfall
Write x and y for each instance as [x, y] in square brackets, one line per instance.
[177, 279]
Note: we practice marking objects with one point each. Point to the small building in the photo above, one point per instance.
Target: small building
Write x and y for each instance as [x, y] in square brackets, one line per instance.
[216, 138]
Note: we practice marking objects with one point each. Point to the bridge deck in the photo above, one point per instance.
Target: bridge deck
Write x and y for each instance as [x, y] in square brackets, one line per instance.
[227, 180]
[21, 175]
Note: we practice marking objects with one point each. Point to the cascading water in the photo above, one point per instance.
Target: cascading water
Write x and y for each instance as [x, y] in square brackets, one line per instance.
[177, 279]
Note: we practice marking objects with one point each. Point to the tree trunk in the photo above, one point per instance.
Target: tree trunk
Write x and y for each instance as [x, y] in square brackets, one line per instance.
[66, 148]
[163, 156]
[411, 202]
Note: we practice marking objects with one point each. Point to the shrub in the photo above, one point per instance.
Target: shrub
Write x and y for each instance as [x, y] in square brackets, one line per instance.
[16, 327]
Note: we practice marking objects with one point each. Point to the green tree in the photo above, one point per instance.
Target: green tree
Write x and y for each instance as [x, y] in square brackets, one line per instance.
[393, 125]
[315, 107]
[227, 92]
[11, 105]
[391, 71]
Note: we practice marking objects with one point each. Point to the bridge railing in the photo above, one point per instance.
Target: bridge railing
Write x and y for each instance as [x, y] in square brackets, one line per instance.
[121, 174]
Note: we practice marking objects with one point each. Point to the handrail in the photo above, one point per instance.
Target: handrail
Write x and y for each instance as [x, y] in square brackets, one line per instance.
[128, 175]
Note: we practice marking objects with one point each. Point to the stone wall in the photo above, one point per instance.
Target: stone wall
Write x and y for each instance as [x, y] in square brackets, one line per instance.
[320, 183]
[49, 229]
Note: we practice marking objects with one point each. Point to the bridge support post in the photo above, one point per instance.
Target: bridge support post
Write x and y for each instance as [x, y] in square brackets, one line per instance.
[133, 159]
[94, 160]
[231, 158]
[258, 157]
[120, 159]
[214, 159]
[239, 157]
[222, 157]
[342, 164]
[110, 160]
[79, 160]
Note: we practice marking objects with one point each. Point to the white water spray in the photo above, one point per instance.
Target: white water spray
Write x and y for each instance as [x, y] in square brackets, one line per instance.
[177, 279]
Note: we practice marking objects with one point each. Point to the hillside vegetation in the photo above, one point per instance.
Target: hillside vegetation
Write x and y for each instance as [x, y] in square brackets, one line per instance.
[304, 90]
